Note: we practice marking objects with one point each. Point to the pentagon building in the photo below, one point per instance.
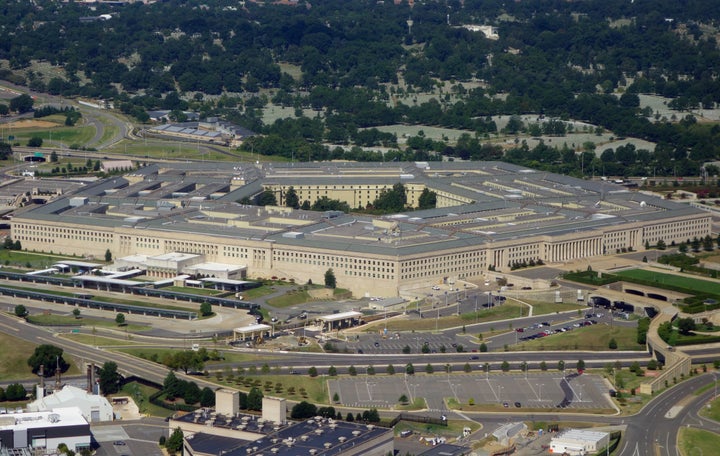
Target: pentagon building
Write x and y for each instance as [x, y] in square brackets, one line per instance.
[489, 215]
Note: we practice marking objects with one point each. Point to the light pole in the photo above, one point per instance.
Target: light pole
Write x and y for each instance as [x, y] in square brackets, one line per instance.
[437, 319]
[476, 306]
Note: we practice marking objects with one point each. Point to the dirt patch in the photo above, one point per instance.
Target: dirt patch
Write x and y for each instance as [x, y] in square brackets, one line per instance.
[32, 123]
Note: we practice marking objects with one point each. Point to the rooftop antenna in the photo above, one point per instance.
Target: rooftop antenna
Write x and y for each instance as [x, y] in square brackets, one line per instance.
[409, 24]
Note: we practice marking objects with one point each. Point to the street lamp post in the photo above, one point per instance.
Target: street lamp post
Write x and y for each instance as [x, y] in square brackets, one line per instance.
[476, 307]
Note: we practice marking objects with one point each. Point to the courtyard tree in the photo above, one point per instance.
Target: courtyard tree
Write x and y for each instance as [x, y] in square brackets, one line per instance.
[291, 198]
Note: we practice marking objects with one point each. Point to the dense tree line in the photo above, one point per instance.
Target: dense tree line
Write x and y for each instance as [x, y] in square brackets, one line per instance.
[360, 61]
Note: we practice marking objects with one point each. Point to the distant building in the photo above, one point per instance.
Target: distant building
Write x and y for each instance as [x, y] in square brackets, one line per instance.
[489, 31]
[579, 442]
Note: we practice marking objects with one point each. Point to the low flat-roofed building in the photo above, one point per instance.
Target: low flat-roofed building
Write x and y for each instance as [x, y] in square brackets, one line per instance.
[48, 429]
[579, 442]
[223, 430]
[490, 217]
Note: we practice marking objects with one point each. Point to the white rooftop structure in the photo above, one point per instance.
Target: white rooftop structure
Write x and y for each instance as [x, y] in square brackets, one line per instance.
[579, 442]
[93, 407]
[340, 316]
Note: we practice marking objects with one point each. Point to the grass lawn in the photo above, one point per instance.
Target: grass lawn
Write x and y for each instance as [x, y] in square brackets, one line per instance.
[596, 337]
[453, 429]
[69, 320]
[713, 412]
[544, 308]
[36, 260]
[693, 442]
[97, 341]
[290, 386]
[195, 291]
[141, 394]
[290, 298]
[253, 293]
[661, 279]
[13, 363]
[154, 354]
[429, 323]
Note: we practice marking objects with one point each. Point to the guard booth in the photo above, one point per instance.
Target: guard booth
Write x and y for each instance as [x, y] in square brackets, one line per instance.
[251, 333]
[339, 321]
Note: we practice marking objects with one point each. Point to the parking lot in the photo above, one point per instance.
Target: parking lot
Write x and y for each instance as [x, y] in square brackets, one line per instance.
[536, 390]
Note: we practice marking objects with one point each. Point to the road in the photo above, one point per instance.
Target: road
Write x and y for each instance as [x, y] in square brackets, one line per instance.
[654, 430]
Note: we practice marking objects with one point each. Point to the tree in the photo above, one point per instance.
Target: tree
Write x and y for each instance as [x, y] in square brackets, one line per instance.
[15, 392]
[108, 256]
[206, 309]
[580, 366]
[686, 325]
[312, 371]
[303, 410]
[120, 319]
[109, 378]
[612, 345]
[429, 368]
[352, 371]
[505, 366]
[543, 366]
[76, 312]
[291, 198]
[483, 347]
[20, 310]
[332, 371]
[172, 386]
[427, 199]
[191, 393]
[35, 141]
[330, 281]
[21, 104]
[409, 369]
[175, 442]
[53, 157]
[254, 400]
[390, 369]
[266, 198]
[207, 397]
[561, 365]
[51, 357]
[661, 245]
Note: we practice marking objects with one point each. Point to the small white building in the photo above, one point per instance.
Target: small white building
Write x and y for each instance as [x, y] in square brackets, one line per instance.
[579, 442]
[94, 408]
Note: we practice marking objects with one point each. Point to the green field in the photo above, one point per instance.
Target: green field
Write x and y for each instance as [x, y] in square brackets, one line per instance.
[714, 411]
[70, 320]
[694, 442]
[672, 280]
[596, 337]
[13, 362]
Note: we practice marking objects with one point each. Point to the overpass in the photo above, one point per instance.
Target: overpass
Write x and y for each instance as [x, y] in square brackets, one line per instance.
[657, 303]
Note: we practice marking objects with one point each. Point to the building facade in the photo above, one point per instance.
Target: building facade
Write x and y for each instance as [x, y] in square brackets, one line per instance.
[502, 216]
